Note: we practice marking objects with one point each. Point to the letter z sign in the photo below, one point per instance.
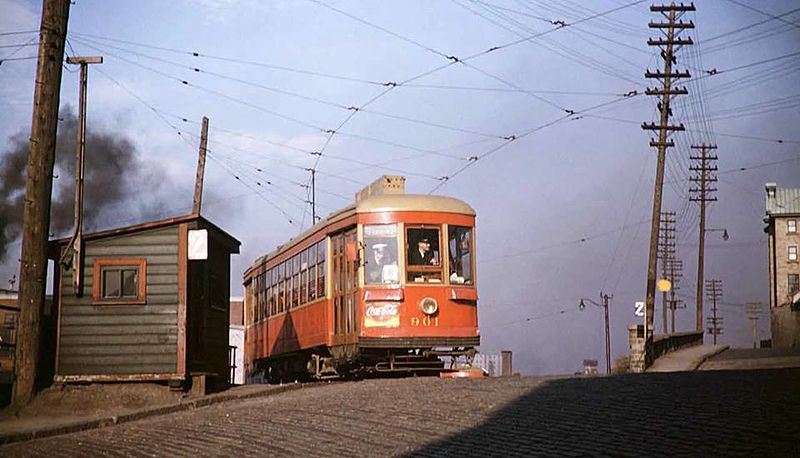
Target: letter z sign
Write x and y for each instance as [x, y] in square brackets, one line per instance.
[638, 309]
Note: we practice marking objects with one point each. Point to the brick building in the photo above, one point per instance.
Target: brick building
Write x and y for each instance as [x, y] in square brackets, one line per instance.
[783, 215]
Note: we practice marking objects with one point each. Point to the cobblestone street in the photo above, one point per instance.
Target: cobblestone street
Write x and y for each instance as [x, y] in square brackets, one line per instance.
[705, 413]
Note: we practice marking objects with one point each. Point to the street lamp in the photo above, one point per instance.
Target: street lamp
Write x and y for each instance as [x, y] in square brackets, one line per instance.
[724, 231]
[605, 298]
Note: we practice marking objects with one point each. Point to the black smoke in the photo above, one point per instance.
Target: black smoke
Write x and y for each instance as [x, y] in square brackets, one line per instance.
[120, 187]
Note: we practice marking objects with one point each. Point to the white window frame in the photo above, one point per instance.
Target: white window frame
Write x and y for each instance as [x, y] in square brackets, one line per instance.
[792, 252]
[791, 226]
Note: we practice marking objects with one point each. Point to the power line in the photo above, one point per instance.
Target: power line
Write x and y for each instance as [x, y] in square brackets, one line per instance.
[337, 105]
[237, 61]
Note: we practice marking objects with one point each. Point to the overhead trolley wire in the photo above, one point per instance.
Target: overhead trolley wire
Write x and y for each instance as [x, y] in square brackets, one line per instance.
[234, 60]
[340, 106]
[179, 132]
[259, 193]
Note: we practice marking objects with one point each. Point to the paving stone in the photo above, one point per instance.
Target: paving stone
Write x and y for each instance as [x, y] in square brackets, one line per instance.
[724, 413]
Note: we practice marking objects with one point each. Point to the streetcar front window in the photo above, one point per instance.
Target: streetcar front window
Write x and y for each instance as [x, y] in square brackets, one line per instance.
[424, 255]
[380, 256]
[460, 244]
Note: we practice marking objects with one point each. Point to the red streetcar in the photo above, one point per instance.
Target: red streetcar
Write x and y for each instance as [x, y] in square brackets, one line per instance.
[384, 285]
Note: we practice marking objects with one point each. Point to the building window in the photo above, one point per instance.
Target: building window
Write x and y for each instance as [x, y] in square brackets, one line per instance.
[793, 252]
[794, 284]
[120, 281]
[791, 226]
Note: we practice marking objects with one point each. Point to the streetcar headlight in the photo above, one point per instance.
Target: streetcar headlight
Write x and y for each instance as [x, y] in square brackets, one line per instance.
[428, 306]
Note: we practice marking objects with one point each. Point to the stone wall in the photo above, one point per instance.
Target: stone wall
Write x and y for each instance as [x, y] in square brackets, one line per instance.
[785, 327]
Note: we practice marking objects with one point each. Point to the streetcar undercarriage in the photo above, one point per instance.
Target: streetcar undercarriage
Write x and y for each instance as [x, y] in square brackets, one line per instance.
[353, 362]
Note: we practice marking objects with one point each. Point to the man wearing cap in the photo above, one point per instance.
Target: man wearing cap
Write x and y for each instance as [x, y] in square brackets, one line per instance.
[376, 260]
[422, 255]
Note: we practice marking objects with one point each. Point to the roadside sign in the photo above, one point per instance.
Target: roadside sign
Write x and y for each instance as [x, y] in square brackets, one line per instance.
[638, 309]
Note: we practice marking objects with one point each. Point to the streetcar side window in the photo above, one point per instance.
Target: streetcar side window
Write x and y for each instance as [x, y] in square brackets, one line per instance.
[296, 280]
[424, 255]
[321, 258]
[267, 292]
[304, 277]
[282, 288]
[380, 257]
[312, 273]
[460, 244]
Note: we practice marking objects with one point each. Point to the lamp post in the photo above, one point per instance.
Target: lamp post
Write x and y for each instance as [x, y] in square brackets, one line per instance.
[605, 298]
[724, 231]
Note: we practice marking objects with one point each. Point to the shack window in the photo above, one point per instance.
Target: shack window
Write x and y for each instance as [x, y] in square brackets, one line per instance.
[120, 281]
[460, 245]
[424, 255]
[10, 320]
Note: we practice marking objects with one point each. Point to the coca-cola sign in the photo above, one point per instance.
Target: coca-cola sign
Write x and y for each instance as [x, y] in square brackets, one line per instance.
[384, 315]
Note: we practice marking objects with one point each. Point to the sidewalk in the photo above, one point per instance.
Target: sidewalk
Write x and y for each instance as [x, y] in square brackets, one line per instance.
[13, 429]
[688, 359]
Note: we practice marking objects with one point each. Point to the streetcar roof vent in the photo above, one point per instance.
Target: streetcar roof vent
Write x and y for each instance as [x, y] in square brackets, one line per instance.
[387, 184]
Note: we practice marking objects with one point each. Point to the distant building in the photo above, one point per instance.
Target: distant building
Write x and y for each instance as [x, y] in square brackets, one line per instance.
[489, 363]
[589, 366]
[783, 215]
[236, 341]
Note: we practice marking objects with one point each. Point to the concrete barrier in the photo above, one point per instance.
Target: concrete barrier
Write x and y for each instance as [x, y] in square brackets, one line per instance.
[657, 345]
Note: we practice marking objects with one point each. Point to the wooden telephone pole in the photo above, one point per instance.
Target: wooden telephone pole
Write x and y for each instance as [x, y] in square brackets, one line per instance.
[197, 203]
[753, 309]
[714, 293]
[38, 192]
[675, 272]
[666, 249]
[703, 178]
[669, 44]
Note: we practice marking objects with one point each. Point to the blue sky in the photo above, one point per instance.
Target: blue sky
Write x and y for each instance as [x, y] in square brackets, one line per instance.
[562, 211]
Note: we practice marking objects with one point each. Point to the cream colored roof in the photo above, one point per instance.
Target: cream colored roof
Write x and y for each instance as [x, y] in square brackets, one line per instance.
[413, 202]
[376, 204]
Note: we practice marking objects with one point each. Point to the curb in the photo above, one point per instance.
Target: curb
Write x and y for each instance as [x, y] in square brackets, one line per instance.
[699, 361]
[112, 420]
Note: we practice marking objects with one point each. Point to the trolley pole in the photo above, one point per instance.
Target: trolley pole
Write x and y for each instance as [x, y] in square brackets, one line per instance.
[38, 192]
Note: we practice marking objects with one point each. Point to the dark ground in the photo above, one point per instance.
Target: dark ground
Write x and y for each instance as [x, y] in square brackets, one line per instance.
[709, 413]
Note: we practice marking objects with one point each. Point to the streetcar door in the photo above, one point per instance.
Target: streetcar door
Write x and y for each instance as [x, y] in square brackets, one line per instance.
[345, 287]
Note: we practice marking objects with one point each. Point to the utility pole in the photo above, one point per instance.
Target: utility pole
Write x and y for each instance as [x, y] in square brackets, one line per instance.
[669, 43]
[201, 169]
[666, 248]
[675, 270]
[753, 309]
[38, 192]
[714, 293]
[702, 178]
[605, 298]
[76, 244]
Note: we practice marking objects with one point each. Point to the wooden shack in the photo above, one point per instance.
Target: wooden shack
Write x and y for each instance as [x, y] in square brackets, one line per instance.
[151, 304]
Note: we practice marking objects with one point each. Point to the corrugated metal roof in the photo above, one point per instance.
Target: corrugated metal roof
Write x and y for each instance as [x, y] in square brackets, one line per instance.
[785, 202]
